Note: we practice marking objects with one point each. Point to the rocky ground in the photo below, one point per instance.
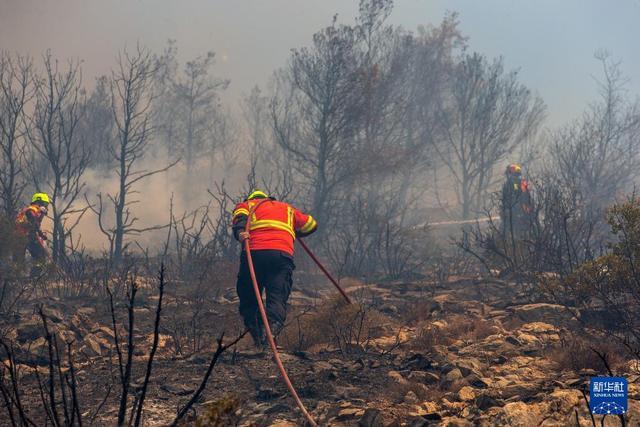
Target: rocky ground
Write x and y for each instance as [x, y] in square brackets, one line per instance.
[465, 352]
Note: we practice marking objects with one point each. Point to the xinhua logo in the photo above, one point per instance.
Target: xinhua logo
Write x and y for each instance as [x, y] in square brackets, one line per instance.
[608, 395]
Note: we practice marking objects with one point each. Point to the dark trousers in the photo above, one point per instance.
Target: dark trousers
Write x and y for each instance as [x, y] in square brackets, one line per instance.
[274, 271]
[37, 251]
[33, 245]
[517, 222]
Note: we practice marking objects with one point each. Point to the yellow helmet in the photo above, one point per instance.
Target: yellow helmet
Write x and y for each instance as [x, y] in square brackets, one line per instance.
[257, 194]
[40, 197]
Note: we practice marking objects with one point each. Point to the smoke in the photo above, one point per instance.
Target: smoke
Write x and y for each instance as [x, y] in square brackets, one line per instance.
[152, 201]
[251, 40]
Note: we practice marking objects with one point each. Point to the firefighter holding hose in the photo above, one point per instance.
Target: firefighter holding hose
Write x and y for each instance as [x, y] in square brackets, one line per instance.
[273, 227]
[517, 204]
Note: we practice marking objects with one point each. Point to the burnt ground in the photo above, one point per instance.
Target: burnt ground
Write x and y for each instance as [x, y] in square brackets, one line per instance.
[464, 352]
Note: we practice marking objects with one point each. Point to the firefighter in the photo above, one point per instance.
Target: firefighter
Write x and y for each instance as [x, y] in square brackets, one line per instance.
[28, 223]
[517, 203]
[273, 228]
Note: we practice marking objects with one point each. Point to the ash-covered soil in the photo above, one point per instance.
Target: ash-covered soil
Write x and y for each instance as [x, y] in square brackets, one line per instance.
[465, 352]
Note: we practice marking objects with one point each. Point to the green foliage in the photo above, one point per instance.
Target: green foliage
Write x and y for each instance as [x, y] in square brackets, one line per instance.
[607, 289]
[624, 220]
[616, 273]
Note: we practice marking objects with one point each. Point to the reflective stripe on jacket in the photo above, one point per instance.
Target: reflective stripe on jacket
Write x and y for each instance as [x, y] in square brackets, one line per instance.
[274, 224]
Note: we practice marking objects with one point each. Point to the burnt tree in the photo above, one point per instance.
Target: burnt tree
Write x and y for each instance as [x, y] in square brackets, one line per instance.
[483, 116]
[16, 91]
[60, 157]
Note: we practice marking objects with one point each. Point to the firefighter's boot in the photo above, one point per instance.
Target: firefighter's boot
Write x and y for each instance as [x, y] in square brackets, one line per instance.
[276, 328]
[257, 333]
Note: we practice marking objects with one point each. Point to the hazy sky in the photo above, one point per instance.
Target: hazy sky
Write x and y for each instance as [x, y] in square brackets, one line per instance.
[551, 41]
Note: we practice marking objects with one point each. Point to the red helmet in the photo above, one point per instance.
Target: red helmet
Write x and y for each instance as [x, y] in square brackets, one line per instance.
[514, 169]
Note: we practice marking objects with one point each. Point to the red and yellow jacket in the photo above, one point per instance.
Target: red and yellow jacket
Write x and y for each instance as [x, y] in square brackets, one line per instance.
[28, 221]
[274, 224]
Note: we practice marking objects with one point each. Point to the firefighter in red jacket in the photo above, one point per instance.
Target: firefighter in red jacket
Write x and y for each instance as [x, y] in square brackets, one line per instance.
[517, 204]
[273, 228]
[28, 223]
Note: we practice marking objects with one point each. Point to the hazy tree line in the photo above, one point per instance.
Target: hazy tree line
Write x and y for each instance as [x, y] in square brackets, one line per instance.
[371, 127]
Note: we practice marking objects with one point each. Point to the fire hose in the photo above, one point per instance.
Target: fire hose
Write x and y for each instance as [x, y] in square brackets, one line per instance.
[265, 320]
[324, 270]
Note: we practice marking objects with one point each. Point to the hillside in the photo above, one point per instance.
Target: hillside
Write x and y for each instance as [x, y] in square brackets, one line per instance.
[461, 352]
